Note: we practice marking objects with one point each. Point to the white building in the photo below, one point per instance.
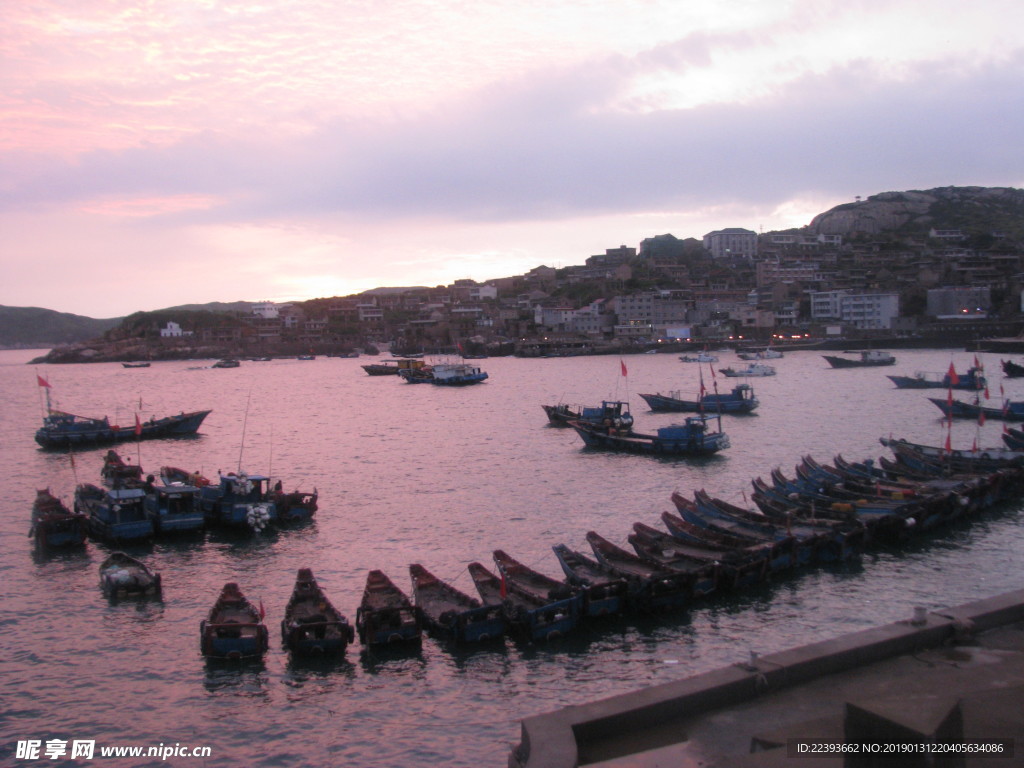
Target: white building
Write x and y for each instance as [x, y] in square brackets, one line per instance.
[859, 310]
[173, 331]
[734, 241]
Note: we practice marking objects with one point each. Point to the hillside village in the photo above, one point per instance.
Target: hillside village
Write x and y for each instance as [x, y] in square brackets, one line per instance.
[944, 263]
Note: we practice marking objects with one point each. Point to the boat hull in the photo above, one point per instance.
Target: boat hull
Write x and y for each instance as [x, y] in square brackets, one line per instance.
[58, 432]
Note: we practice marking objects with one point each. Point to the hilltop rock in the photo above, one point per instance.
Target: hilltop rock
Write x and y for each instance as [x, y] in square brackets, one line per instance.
[972, 209]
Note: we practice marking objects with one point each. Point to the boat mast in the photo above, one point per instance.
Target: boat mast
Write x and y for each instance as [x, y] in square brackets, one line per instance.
[245, 421]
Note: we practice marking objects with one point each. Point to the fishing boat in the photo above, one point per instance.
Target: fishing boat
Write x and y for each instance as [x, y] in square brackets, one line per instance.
[532, 618]
[867, 358]
[386, 616]
[115, 515]
[1012, 370]
[136, 365]
[456, 374]
[238, 501]
[740, 400]
[604, 592]
[123, 576]
[234, 628]
[972, 460]
[451, 613]
[973, 380]
[957, 409]
[227, 362]
[294, 506]
[66, 430]
[118, 473]
[728, 568]
[701, 357]
[521, 577]
[54, 526]
[611, 413]
[693, 438]
[652, 586]
[763, 353]
[173, 507]
[311, 624]
[753, 369]
[393, 367]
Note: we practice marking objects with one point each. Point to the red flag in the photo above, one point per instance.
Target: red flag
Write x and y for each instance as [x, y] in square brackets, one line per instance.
[138, 426]
[263, 613]
[981, 418]
[42, 382]
[949, 443]
[953, 378]
[624, 371]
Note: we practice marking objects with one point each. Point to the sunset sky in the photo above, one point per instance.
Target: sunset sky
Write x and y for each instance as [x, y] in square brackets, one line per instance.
[163, 153]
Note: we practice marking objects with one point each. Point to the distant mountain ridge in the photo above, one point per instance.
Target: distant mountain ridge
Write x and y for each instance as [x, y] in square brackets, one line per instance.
[29, 327]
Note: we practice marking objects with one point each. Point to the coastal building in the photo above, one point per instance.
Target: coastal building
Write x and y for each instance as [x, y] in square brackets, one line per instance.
[731, 243]
[865, 311]
[173, 331]
[959, 301]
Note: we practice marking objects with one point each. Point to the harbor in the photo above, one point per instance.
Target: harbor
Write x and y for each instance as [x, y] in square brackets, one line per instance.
[444, 477]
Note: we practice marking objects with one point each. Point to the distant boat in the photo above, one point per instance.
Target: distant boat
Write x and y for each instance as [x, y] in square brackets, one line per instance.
[456, 375]
[227, 362]
[234, 627]
[65, 430]
[386, 616]
[957, 409]
[693, 438]
[867, 358]
[1012, 370]
[135, 365]
[54, 526]
[305, 357]
[392, 367]
[611, 413]
[311, 624]
[754, 369]
[766, 353]
[974, 379]
[123, 576]
[740, 400]
[702, 357]
[451, 613]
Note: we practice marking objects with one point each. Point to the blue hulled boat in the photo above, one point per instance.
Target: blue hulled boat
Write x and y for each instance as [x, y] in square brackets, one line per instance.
[66, 430]
[533, 618]
[1011, 410]
[123, 576]
[54, 526]
[234, 628]
[604, 592]
[311, 624]
[238, 501]
[740, 400]
[456, 375]
[115, 515]
[451, 613]
[173, 508]
[692, 438]
[611, 413]
[385, 615]
[973, 380]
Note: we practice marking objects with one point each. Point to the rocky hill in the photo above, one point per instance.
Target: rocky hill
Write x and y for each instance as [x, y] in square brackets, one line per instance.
[973, 210]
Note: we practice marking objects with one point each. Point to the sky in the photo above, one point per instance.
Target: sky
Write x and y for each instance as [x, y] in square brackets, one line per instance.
[163, 152]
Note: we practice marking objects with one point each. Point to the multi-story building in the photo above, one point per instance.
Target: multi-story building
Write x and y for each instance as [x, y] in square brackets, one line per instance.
[959, 301]
[868, 311]
[730, 243]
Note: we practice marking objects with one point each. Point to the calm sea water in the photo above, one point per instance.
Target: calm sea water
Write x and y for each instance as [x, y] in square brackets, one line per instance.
[443, 477]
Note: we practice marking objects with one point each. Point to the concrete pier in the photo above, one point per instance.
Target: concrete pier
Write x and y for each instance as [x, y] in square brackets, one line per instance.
[952, 677]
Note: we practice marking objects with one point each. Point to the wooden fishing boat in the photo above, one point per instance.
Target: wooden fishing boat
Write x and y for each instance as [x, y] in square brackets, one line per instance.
[136, 365]
[123, 576]
[386, 616]
[972, 380]
[604, 592]
[294, 506]
[530, 617]
[54, 526]
[118, 473]
[730, 568]
[392, 367]
[521, 577]
[740, 400]
[611, 413]
[1011, 410]
[66, 430]
[780, 552]
[234, 628]
[451, 613]
[652, 586]
[115, 515]
[311, 624]
[692, 438]
[868, 358]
